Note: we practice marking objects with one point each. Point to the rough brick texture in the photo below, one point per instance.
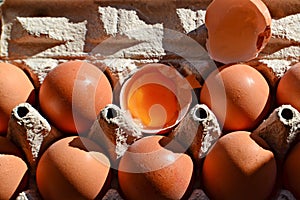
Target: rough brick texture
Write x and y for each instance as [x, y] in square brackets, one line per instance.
[124, 34]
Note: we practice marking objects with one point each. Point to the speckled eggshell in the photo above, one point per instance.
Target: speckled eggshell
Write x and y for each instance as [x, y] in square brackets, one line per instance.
[13, 170]
[238, 168]
[153, 168]
[238, 95]
[15, 88]
[288, 90]
[73, 94]
[73, 168]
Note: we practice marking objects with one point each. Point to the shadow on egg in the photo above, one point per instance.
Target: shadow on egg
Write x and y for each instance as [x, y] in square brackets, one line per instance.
[169, 144]
[14, 174]
[151, 168]
[73, 168]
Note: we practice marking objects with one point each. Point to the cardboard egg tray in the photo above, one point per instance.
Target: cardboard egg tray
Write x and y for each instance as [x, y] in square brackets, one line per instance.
[119, 36]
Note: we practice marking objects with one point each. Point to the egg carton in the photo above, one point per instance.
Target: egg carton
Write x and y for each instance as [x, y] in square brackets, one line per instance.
[33, 134]
[37, 35]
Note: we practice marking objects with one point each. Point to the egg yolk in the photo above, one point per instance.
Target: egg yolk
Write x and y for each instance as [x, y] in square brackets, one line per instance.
[154, 105]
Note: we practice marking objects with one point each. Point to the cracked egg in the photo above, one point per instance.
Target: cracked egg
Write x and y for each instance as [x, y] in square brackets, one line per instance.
[237, 29]
[157, 97]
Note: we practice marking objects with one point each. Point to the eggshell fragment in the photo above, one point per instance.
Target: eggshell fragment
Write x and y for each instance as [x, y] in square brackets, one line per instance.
[15, 88]
[73, 168]
[239, 168]
[13, 170]
[237, 29]
[151, 169]
[73, 94]
[288, 90]
[238, 95]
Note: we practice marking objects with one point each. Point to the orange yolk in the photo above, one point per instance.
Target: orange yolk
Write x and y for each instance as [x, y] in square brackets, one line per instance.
[154, 105]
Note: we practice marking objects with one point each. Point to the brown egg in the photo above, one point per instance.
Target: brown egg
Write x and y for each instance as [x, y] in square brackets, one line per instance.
[288, 91]
[237, 29]
[238, 168]
[291, 171]
[13, 170]
[155, 168]
[238, 95]
[15, 88]
[73, 94]
[73, 168]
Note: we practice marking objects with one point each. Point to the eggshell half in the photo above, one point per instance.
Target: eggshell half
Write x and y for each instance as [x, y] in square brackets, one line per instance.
[164, 76]
[237, 29]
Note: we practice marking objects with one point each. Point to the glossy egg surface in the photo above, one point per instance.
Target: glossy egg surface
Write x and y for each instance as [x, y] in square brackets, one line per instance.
[73, 94]
[238, 95]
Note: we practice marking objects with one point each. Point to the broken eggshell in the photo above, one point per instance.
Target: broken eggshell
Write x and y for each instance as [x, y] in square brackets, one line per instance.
[237, 29]
[157, 97]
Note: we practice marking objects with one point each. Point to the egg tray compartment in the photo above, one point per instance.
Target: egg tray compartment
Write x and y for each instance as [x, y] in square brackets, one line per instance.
[31, 132]
[17, 38]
